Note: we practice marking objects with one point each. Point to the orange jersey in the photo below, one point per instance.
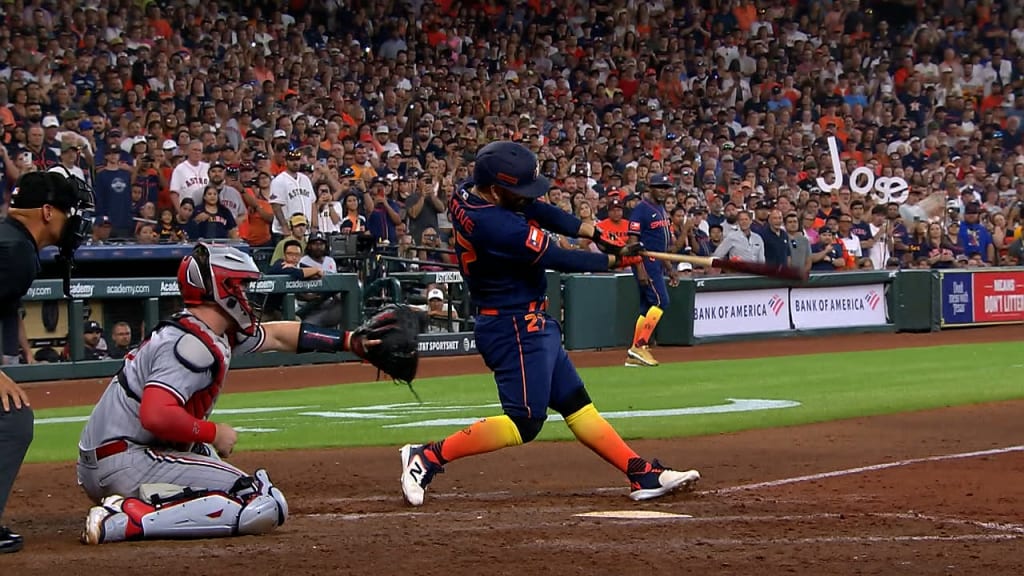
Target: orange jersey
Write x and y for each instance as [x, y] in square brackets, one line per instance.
[616, 231]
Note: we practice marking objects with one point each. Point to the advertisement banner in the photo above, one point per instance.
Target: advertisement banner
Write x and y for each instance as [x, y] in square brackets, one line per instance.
[957, 294]
[740, 312]
[838, 307]
[998, 296]
[447, 344]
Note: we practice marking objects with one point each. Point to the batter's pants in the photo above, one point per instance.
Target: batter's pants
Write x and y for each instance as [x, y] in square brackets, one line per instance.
[15, 436]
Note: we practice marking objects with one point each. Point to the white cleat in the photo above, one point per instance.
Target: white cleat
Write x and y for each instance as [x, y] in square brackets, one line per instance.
[660, 481]
[417, 472]
[93, 532]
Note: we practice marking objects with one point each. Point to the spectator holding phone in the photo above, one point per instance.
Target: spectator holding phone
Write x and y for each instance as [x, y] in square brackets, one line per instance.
[423, 205]
[974, 237]
[827, 254]
[383, 213]
[260, 213]
[327, 214]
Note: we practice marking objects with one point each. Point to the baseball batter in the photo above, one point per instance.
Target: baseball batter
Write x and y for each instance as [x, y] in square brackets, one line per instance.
[650, 226]
[503, 252]
[149, 456]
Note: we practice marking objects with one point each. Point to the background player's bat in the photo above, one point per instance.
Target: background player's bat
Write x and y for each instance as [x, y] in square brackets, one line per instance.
[758, 268]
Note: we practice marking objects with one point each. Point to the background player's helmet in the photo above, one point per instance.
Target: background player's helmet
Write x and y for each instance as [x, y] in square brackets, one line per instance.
[219, 274]
[511, 166]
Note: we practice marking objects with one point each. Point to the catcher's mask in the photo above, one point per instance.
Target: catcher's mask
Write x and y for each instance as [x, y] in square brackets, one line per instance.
[221, 274]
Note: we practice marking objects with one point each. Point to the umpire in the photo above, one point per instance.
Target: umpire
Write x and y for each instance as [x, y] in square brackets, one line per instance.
[47, 209]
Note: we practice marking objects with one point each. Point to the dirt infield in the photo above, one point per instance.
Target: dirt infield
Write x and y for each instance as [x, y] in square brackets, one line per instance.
[788, 500]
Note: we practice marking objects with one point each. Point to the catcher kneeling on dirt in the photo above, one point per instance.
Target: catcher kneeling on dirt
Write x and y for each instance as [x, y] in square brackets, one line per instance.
[149, 456]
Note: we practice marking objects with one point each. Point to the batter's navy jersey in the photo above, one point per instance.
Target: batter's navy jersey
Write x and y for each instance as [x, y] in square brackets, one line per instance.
[504, 255]
[649, 222]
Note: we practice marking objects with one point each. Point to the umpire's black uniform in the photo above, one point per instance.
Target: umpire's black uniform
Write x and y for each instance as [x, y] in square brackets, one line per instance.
[47, 209]
[19, 264]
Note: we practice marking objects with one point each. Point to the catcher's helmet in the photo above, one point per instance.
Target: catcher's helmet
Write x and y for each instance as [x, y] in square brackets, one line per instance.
[219, 274]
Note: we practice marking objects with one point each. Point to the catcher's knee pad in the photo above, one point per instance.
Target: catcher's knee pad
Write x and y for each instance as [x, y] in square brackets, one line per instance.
[572, 403]
[528, 427]
[252, 506]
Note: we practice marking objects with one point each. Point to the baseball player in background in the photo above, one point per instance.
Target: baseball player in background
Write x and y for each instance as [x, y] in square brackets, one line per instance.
[503, 252]
[291, 192]
[650, 226]
[149, 456]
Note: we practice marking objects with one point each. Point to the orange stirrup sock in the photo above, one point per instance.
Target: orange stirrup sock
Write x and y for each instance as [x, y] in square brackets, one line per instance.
[594, 432]
[649, 324]
[482, 436]
[638, 330]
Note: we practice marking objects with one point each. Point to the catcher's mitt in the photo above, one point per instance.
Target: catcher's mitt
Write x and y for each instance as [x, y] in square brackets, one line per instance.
[398, 329]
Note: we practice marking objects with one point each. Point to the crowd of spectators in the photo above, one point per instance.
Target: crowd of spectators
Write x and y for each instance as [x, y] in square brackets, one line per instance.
[239, 119]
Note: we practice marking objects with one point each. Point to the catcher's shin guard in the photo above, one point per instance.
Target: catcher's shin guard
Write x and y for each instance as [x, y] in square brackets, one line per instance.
[253, 506]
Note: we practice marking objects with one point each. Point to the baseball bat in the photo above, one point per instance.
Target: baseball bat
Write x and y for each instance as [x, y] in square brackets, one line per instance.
[758, 268]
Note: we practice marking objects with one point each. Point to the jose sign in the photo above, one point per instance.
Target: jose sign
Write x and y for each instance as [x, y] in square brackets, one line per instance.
[863, 180]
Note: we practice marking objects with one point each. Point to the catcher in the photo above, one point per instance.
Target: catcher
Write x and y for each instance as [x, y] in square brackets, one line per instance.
[149, 456]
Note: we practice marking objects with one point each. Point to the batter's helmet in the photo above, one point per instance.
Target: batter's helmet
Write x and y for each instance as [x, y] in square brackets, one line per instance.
[219, 274]
[513, 167]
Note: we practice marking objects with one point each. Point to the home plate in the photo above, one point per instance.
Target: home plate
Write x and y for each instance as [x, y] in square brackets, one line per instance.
[633, 515]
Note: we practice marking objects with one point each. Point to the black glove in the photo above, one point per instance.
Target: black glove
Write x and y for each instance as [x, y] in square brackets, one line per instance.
[398, 329]
[608, 245]
[628, 255]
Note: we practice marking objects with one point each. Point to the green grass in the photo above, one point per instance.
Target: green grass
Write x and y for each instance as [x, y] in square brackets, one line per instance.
[827, 387]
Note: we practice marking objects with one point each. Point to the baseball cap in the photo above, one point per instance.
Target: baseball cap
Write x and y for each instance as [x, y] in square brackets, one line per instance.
[218, 164]
[68, 144]
[280, 134]
[92, 326]
[295, 154]
[614, 202]
[511, 166]
[660, 181]
[317, 236]
[383, 129]
[102, 221]
[972, 208]
[763, 205]
[51, 122]
[84, 125]
[298, 220]
[169, 145]
[435, 293]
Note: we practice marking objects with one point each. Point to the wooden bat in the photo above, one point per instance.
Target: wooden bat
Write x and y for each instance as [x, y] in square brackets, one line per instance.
[758, 268]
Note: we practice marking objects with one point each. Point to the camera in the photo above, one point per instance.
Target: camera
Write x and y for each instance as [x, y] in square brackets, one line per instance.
[306, 168]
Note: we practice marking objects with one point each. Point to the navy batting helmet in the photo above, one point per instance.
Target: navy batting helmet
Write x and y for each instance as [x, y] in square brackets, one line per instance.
[511, 166]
